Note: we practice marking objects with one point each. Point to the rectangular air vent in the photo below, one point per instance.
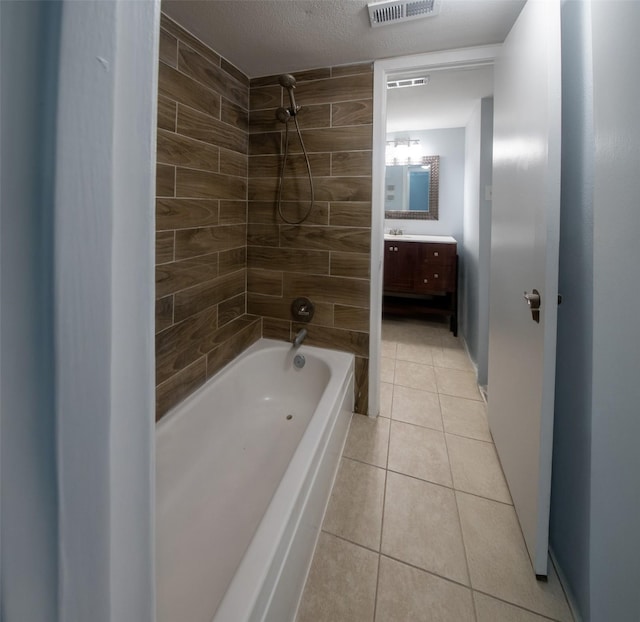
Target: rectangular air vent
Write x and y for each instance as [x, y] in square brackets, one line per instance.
[394, 11]
[400, 84]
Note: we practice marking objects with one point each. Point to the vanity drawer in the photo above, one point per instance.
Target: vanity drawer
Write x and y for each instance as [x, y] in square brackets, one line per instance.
[435, 279]
[440, 254]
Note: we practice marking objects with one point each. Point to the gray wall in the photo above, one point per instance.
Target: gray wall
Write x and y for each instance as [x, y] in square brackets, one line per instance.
[615, 459]
[449, 145]
[474, 267]
[596, 471]
[570, 494]
[28, 534]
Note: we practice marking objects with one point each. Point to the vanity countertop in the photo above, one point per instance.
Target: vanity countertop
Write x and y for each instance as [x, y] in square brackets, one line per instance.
[415, 237]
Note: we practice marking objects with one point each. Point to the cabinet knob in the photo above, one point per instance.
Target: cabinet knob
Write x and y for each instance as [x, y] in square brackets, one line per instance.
[435, 276]
[426, 281]
[395, 248]
[391, 248]
[435, 253]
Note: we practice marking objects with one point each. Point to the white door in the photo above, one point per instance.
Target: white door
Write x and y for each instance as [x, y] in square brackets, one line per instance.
[524, 257]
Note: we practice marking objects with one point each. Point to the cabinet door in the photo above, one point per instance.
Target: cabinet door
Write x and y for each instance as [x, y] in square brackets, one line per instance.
[435, 279]
[400, 259]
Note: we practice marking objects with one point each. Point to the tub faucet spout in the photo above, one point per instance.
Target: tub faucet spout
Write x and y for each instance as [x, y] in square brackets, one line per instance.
[300, 337]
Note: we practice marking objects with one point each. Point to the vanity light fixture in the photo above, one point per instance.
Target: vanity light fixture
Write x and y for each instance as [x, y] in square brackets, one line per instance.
[403, 151]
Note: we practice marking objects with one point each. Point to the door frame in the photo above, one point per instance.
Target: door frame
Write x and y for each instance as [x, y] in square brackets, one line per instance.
[480, 55]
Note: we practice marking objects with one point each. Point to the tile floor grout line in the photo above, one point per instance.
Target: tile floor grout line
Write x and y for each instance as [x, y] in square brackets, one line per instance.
[384, 499]
[464, 545]
[516, 605]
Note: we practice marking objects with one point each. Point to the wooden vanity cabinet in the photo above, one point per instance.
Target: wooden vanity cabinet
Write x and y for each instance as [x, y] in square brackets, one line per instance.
[421, 278]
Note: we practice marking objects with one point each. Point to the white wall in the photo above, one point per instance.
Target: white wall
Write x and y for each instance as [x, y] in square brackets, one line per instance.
[449, 145]
[29, 500]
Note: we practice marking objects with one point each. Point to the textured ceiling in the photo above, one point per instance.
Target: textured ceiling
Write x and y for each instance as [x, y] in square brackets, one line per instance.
[265, 37]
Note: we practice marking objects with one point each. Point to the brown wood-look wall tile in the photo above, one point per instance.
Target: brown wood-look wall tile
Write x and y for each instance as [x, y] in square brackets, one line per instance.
[212, 76]
[349, 88]
[353, 265]
[164, 246]
[164, 313]
[361, 374]
[343, 188]
[351, 163]
[185, 213]
[229, 310]
[265, 97]
[262, 235]
[183, 35]
[205, 240]
[270, 166]
[234, 72]
[235, 344]
[233, 163]
[273, 328]
[167, 113]
[350, 138]
[203, 185]
[280, 308]
[232, 260]
[234, 115]
[191, 301]
[266, 282]
[352, 113]
[334, 289]
[168, 49]
[182, 151]
[346, 239]
[335, 338]
[264, 120]
[176, 388]
[233, 212]
[266, 212]
[352, 318]
[177, 275]
[184, 342]
[175, 85]
[165, 180]
[267, 143]
[350, 214]
[303, 260]
[349, 70]
[203, 127]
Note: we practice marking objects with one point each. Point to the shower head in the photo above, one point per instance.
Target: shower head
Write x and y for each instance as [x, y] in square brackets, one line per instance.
[287, 81]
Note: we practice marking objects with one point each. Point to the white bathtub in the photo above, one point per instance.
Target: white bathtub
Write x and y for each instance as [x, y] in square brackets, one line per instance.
[241, 489]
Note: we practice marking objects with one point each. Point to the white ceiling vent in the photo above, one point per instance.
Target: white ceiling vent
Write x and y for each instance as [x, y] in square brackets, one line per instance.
[394, 11]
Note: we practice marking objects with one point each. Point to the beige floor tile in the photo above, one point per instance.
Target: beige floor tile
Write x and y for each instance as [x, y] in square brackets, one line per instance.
[476, 469]
[368, 440]
[417, 407]
[415, 375]
[498, 560]
[419, 452]
[388, 349]
[406, 594]
[415, 352]
[341, 585]
[355, 506]
[491, 610]
[387, 369]
[457, 383]
[465, 417]
[453, 358]
[447, 340]
[421, 527]
[386, 398]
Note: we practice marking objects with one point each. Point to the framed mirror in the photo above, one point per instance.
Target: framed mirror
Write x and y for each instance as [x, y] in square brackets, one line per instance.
[411, 190]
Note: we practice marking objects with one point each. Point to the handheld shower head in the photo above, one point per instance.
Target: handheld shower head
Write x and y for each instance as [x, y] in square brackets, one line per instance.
[287, 81]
